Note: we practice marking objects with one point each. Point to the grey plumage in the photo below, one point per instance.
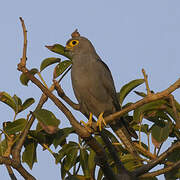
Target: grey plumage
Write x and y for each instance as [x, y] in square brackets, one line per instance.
[93, 86]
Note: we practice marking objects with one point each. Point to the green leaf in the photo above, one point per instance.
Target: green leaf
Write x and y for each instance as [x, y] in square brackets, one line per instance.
[18, 103]
[161, 133]
[126, 89]
[41, 137]
[142, 94]
[63, 171]
[59, 49]
[144, 128]
[7, 99]
[130, 162]
[139, 112]
[15, 126]
[49, 61]
[157, 116]
[173, 174]
[174, 156]
[177, 105]
[83, 161]
[61, 67]
[3, 147]
[61, 136]
[24, 79]
[29, 155]
[65, 150]
[46, 117]
[100, 174]
[28, 102]
[91, 161]
[71, 158]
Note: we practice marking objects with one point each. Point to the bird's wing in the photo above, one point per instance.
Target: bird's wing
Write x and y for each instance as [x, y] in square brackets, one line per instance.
[108, 83]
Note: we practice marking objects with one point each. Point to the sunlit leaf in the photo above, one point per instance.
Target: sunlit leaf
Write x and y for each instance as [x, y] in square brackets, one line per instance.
[142, 94]
[3, 147]
[15, 126]
[91, 161]
[28, 102]
[126, 89]
[24, 79]
[145, 108]
[18, 103]
[71, 158]
[61, 67]
[130, 162]
[7, 99]
[59, 49]
[83, 161]
[100, 174]
[49, 61]
[46, 117]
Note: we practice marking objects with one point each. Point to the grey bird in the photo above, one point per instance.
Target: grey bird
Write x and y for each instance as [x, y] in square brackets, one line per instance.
[94, 88]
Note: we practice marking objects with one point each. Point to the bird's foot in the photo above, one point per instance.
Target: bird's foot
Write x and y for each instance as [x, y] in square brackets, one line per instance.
[88, 125]
[100, 121]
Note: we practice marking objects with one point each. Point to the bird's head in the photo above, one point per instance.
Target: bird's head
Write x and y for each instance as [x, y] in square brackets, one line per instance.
[79, 45]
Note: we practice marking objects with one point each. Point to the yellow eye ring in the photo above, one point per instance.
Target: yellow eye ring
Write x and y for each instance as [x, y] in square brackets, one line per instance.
[73, 43]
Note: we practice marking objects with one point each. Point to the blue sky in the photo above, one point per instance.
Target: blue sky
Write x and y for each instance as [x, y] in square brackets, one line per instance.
[128, 35]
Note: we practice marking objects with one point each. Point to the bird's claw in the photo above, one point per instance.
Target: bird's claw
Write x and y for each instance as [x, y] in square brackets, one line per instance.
[100, 121]
[88, 125]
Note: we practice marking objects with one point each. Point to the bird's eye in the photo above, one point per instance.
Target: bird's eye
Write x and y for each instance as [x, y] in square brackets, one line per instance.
[73, 43]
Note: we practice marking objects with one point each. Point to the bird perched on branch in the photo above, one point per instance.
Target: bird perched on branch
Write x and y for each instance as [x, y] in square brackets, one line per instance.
[94, 88]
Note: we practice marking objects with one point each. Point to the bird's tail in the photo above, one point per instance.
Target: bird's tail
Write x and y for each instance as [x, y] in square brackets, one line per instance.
[123, 134]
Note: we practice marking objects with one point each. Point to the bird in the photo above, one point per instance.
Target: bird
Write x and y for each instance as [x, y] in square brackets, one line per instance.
[94, 88]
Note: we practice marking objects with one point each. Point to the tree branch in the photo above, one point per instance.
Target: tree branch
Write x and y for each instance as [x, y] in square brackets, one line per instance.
[146, 82]
[161, 171]
[11, 173]
[24, 57]
[16, 165]
[147, 99]
[64, 97]
[153, 163]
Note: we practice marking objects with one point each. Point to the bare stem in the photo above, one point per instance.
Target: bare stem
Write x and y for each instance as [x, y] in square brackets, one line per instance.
[146, 82]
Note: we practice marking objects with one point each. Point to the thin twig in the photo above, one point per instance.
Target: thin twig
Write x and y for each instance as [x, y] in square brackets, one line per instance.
[11, 173]
[24, 57]
[146, 82]
[16, 165]
[161, 171]
[64, 97]
[145, 168]
[144, 152]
